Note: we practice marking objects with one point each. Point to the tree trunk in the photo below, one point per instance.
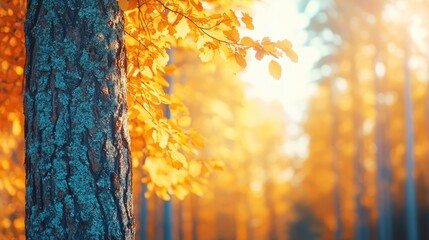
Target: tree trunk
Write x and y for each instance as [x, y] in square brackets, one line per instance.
[410, 188]
[159, 218]
[195, 217]
[142, 234]
[167, 220]
[78, 164]
[336, 161]
[168, 207]
[180, 221]
[384, 208]
[269, 202]
[362, 219]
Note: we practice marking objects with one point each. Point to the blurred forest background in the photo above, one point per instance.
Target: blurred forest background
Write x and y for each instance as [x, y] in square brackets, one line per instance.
[364, 174]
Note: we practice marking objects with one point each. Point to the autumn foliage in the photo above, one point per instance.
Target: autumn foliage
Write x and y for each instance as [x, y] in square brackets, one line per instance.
[154, 29]
[365, 128]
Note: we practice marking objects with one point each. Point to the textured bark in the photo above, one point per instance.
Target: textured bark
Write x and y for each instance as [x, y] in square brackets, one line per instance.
[78, 165]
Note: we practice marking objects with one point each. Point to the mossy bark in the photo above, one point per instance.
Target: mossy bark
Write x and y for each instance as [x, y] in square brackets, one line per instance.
[78, 164]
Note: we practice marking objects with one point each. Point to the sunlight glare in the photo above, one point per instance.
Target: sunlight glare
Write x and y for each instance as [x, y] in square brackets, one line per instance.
[279, 20]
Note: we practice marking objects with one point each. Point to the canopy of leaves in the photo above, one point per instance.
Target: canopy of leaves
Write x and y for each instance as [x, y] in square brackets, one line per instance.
[154, 29]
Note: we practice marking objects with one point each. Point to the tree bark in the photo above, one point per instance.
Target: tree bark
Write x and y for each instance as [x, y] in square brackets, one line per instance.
[78, 164]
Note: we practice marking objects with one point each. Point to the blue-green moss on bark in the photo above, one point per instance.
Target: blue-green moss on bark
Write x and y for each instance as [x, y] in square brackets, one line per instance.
[78, 164]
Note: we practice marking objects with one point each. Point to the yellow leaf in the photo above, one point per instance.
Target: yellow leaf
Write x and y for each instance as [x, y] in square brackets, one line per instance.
[144, 114]
[179, 158]
[180, 192]
[206, 54]
[182, 28]
[194, 168]
[165, 196]
[247, 20]
[172, 16]
[146, 72]
[154, 136]
[197, 189]
[275, 69]
[164, 139]
[202, 40]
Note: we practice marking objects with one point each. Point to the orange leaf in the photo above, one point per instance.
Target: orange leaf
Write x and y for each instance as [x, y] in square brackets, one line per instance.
[266, 40]
[127, 4]
[248, 21]
[292, 55]
[232, 35]
[179, 158]
[275, 69]
[259, 54]
[233, 17]
[240, 60]
[170, 69]
[284, 45]
[248, 41]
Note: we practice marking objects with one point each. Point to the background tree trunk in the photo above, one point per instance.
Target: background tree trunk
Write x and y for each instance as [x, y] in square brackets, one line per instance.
[362, 220]
[384, 206]
[335, 160]
[410, 188]
[78, 164]
[143, 218]
[168, 206]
